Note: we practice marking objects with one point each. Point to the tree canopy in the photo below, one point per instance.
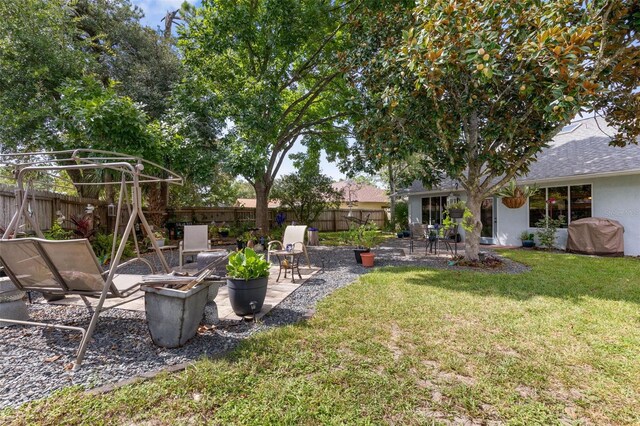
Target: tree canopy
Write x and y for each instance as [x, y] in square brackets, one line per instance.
[273, 68]
[307, 194]
[480, 87]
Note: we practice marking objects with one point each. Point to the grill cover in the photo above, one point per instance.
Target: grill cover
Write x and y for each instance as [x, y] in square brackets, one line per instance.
[596, 235]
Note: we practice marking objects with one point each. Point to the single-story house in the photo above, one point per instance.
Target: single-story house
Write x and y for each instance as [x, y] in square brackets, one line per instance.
[579, 171]
[361, 196]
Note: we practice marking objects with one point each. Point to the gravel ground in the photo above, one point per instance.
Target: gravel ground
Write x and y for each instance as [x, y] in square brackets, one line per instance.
[33, 359]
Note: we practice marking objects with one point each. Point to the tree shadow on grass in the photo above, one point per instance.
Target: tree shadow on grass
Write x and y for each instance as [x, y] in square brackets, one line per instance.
[564, 276]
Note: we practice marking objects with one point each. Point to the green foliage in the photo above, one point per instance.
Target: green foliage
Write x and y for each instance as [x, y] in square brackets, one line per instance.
[102, 244]
[458, 205]
[306, 193]
[57, 232]
[526, 236]
[365, 236]
[513, 190]
[92, 116]
[402, 215]
[247, 265]
[272, 66]
[479, 88]
[547, 228]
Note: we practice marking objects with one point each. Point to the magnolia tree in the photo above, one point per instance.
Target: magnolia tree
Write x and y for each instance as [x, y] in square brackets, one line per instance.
[480, 87]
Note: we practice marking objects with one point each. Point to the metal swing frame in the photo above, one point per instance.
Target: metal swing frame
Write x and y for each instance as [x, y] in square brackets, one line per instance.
[132, 170]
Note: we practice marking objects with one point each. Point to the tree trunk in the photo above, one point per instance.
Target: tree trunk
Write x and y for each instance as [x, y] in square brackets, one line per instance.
[392, 196]
[472, 239]
[262, 206]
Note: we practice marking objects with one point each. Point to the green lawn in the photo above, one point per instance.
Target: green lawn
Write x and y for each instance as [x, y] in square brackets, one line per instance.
[340, 238]
[560, 343]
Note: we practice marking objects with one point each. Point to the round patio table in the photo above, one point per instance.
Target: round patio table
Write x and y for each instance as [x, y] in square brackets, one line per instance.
[288, 259]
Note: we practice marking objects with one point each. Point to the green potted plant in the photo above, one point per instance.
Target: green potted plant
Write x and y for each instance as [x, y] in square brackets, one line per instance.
[514, 196]
[363, 237]
[159, 236]
[248, 273]
[456, 210]
[527, 239]
[223, 231]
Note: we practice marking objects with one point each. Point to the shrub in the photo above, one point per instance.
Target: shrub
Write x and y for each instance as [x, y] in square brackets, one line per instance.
[57, 232]
[102, 247]
[547, 228]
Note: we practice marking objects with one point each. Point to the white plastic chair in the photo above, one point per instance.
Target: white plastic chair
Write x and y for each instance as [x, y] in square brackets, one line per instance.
[196, 240]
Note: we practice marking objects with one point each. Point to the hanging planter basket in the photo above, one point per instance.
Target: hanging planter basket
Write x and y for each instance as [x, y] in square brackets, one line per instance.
[514, 202]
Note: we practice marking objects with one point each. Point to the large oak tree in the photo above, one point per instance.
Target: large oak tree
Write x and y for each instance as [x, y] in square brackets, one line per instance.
[272, 65]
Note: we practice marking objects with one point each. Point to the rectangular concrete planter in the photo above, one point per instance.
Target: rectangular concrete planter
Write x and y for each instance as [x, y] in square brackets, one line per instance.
[173, 316]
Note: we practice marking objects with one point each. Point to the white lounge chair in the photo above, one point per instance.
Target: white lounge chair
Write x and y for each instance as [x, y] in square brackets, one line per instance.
[68, 267]
[294, 236]
[196, 240]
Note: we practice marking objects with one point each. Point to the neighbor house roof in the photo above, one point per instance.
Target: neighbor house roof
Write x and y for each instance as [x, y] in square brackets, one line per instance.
[361, 192]
[581, 149]
[251, 203]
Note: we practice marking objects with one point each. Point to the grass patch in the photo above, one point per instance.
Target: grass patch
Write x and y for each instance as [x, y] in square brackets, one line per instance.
[341, 238]
[560, 343]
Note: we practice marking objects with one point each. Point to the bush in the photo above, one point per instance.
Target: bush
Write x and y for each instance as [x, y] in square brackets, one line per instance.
[102, 247]
[402, 215]
[547, 228]
[57, 232]
[365, 236]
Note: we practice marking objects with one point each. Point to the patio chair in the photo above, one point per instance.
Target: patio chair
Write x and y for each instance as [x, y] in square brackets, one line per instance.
[67, 267]
[418, 232]
[450, 237]
[196, 240]
[294, 236]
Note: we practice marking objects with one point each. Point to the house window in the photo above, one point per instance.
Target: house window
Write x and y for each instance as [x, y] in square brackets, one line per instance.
[558, 203]
[572, 202]
[580, 201]
[432, 208]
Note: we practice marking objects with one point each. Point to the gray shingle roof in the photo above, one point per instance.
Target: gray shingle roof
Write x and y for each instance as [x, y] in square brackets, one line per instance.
[583, 151]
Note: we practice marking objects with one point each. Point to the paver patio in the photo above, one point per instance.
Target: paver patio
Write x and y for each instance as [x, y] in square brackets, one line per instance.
[277, 291]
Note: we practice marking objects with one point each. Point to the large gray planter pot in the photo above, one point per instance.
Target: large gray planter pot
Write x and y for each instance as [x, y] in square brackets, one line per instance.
[11, 304]
[173, 316]
[247, 297]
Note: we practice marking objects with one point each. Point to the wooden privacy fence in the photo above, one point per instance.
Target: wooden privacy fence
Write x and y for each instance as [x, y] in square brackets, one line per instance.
[44, 206]
[329, 220]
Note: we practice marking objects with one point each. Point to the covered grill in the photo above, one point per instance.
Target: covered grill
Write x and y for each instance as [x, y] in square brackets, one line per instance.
[596, 235]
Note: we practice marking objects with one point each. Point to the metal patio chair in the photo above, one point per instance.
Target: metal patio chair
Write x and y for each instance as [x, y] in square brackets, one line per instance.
[293, 237]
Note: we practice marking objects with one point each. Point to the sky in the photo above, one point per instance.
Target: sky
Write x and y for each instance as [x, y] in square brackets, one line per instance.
[155, 10]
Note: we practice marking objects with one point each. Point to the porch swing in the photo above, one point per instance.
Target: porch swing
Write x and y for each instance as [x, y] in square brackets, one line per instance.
[70, 267]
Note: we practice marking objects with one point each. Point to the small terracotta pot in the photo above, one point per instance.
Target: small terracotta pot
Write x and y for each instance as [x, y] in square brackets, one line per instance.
[367, 259]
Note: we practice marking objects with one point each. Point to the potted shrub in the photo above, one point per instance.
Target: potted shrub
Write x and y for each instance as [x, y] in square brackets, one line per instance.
[456, 210]
[223, 231]
[527, 239]
[248, 273]
[159, 237]
[514, 196]
[363, 237]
